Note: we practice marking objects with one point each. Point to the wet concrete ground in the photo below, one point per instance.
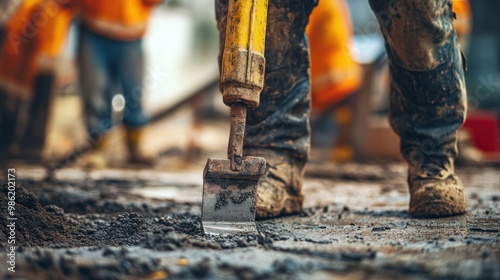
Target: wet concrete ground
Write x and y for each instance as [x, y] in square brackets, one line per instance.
[143, 224]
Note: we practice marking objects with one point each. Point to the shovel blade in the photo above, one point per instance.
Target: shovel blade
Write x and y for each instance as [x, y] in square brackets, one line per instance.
[229, 197]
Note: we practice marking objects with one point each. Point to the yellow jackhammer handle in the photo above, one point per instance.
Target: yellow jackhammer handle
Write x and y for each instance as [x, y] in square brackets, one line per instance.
[243, 62]
[243, 65]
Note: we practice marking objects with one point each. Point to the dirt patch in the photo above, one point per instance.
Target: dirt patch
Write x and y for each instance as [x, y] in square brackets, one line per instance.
[353, 229]
[34, 224]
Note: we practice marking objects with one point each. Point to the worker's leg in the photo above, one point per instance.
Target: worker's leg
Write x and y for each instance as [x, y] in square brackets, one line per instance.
[427, 99]
[130, 67]
[34, 137]
[8, 113]
[278, 129]
[12, 125]
[3, 35]
[96, 82]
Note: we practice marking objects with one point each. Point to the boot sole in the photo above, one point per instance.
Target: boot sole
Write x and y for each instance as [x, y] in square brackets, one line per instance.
[437, 209]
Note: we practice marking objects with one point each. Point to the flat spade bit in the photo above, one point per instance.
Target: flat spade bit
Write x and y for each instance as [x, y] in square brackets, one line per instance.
[230, 185]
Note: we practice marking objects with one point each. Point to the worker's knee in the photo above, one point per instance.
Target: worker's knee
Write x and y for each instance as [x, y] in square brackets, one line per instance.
[416, 31]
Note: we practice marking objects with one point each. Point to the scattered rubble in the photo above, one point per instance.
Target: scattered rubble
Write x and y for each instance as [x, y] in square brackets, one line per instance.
[105, 230]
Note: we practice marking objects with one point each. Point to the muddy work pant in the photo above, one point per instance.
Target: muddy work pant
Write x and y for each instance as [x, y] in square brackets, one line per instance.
[280, 123]
[428, 96]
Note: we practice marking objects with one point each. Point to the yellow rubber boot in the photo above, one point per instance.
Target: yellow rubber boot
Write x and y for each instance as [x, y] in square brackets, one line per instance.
[137, 155]
[343, 150]
[97, 158]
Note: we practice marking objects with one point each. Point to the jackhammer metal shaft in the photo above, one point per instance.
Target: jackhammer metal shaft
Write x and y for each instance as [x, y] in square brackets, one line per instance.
[237, 135]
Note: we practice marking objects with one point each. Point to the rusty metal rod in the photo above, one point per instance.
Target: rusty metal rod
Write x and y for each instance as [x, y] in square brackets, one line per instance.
[237, 135]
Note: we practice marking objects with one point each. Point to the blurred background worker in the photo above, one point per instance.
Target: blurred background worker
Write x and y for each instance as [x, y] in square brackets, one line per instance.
[463, 21]
[110, 53]
[335, 77]
[8, 7]
[35, 35]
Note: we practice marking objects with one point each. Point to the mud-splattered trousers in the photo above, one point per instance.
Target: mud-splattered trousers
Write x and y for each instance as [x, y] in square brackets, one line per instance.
[280, 123]
[427, 89]
[428, 96]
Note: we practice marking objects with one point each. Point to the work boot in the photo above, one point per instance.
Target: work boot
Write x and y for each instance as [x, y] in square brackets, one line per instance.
[278, 129]
[428, 99]
[435, 195]
[280, 189]
[97, 158]
[137, 155]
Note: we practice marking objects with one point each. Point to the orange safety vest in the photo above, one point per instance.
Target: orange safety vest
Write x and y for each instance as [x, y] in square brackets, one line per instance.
[463, 22]
[117, 19]
[36, 33]
[334, 73]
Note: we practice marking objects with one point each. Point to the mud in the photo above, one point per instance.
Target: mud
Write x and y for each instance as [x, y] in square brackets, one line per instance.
[102, 227]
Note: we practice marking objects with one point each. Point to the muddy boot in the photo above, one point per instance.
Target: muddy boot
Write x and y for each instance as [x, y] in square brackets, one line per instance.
[280, 189]
[136, 154]
[278, 129]
[427, 99]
